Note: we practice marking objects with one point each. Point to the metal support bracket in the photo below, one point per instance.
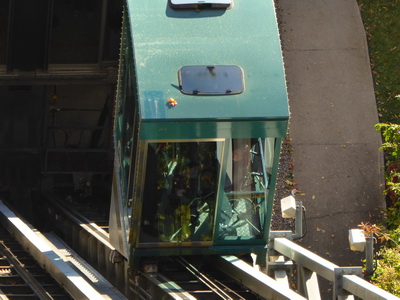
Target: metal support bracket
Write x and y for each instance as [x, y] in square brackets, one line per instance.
[275, 235]
[278, 268]
[280, 234]
[278, 262]
[338, 279]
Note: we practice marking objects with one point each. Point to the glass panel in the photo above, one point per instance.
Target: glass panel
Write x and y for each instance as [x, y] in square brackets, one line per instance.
[211, 80]
[245, 193]
[180, 191]
[269, 148]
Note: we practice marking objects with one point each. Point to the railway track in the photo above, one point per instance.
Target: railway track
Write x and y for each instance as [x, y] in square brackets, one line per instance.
[162, 278]
[63, 264]
[176, 277]
[20, 275]
[181, 279]
[185, 278]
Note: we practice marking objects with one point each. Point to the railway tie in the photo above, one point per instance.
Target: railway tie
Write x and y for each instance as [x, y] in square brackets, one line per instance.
[20, 275]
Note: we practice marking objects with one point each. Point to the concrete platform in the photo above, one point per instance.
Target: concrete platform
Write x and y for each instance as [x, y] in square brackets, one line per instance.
[333, 111]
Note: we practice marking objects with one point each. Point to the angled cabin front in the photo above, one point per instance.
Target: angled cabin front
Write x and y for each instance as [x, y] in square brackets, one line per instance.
[198, 144]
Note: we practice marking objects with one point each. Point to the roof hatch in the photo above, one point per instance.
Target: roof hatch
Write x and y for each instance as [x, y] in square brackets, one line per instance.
[183, 4]
[211, 80]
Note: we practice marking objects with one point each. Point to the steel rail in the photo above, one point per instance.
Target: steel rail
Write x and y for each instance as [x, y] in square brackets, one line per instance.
[256, 281]
[100, 234]
[19, 267]
[75, 284]
[220, 291]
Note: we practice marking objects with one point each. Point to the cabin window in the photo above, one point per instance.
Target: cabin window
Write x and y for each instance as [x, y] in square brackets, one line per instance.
[243, 202]
[211, 80]
[180, 191]
[184, 4]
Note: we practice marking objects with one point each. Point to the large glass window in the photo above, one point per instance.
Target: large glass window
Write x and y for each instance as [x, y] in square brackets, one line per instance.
[243, 203]
[180, 191]
[205, 190]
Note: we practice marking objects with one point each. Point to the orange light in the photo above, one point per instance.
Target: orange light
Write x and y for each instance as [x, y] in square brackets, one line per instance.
[172, 102]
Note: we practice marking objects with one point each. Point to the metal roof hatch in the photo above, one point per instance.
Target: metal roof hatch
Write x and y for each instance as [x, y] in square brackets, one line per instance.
[211, 80]
[184, 4]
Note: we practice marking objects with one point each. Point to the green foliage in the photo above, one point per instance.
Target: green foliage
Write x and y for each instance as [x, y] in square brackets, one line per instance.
[391, 145]
[387, 273]
[382, 22]
[391, 135]
[395, 237]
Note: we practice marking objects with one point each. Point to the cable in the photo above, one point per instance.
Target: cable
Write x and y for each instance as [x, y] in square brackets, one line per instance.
[304, 221]
[304, 225]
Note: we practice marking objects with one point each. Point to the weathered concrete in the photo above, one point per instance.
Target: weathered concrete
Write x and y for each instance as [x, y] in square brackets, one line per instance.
[335, 146]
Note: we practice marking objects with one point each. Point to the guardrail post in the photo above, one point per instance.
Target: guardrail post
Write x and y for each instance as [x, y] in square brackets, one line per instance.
[338, 290]
[298, 225]
[278, 267]
[369, 255]
[307, 282]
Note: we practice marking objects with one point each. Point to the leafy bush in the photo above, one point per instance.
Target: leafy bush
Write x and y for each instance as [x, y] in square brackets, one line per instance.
[387, 273]
[382, 22]
[391, 145]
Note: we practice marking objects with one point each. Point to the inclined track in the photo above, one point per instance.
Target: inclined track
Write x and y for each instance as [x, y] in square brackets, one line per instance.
[21, 277]
[181, 279]
[167, 278]
[177, 276]
[218, 288]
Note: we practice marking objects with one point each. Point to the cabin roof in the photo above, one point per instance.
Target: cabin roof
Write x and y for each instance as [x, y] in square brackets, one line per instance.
[246, 35]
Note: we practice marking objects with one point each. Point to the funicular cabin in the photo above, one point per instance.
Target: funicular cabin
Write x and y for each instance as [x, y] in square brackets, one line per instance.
[200, 114]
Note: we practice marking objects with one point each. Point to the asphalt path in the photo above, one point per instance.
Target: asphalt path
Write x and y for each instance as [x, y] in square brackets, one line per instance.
[337, 164]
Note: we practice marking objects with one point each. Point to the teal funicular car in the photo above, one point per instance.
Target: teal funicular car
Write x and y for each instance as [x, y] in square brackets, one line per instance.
[201, 112]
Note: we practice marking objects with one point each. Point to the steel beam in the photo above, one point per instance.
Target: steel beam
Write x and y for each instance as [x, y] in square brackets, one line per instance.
[68, 74]
[281, 277]
[364, 290]
[308, 284]
[41, 250]
[305, 258]
[255, 280]
[350, 283]
[338, 282]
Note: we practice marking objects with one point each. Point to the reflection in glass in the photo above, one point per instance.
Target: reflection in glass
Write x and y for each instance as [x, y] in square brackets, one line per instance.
[245, 194]
[180, 192]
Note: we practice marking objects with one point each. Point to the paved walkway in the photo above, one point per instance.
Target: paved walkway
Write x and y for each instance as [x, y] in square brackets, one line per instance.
[335, 146]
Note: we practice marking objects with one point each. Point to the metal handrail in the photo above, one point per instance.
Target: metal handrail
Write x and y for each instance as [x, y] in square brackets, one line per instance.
[353, 284]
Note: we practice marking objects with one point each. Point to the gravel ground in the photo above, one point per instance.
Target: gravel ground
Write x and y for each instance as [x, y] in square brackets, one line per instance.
[284, 186]
[285, 183]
